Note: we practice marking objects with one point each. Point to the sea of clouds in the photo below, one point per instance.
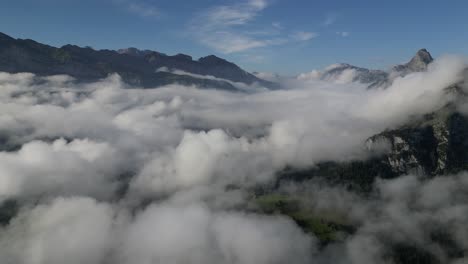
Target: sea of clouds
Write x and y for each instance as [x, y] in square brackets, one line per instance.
[106, 173]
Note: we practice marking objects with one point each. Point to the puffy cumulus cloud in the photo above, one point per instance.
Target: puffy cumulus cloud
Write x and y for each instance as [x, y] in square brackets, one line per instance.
[171, 167]
[205, 157]
[194, 234]
[430, 94]
[78, 167]
[73, 230]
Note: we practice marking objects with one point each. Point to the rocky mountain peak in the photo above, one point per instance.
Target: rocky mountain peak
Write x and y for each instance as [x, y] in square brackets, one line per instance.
[420, 61]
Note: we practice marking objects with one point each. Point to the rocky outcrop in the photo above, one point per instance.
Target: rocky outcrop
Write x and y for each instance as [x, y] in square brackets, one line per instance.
[433, 145]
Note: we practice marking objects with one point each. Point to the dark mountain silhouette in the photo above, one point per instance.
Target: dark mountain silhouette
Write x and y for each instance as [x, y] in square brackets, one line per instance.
[139, 68]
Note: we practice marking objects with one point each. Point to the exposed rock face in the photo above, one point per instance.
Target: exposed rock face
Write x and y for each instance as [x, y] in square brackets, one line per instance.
[433, 145]
[417, 64]
[136, 67]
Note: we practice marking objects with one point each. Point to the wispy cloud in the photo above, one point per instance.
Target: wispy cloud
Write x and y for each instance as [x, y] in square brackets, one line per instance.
[227, 42]
[139, 8]
[277, 25]
[330, 19]
[216, 27]
[223, 28]
[343, 34]
[304, 36]
[237, 14]
[144, 10]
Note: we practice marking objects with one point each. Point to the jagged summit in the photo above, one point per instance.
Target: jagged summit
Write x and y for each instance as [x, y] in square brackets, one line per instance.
[418, 63]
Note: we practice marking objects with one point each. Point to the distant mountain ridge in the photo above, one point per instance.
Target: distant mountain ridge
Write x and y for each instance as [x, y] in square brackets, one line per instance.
[136, 67]
[344, 72]
[417, 64]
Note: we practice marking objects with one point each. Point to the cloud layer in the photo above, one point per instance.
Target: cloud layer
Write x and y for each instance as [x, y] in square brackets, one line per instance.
[108, 174]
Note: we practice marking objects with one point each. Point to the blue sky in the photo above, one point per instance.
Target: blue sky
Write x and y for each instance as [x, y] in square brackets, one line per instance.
[285, 36]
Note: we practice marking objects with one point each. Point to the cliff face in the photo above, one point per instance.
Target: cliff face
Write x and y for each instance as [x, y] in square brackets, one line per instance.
[436, 146]
[432, 145]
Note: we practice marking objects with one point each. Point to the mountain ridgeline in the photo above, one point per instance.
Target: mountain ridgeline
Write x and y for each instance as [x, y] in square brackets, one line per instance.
[378, 78]
[431, 145]
[137, 68]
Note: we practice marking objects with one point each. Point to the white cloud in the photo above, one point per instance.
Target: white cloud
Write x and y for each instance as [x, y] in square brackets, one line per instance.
[139, 8]
[74, 231]
[86, 168]
[227, 42]
[222, 28]
[251, 131]
[217, 27]
[304, 36]
[156, 168]
[235, 14]
[343, 33]
[194, 234]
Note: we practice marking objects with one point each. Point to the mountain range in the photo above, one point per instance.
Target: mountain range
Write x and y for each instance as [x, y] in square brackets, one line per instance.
[147, 69]
[151, 69]
[430, 145]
